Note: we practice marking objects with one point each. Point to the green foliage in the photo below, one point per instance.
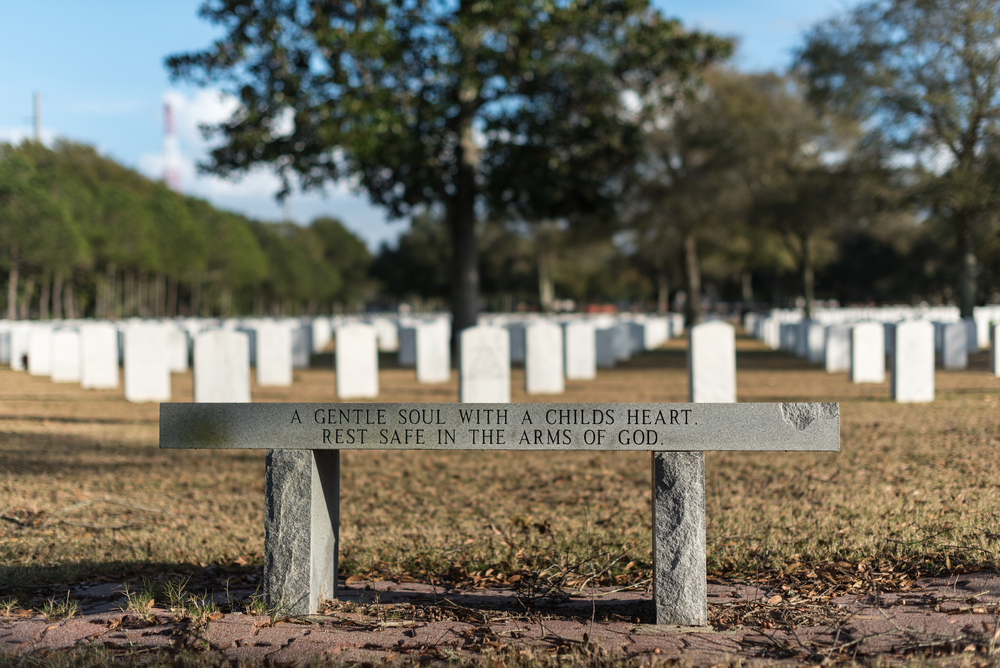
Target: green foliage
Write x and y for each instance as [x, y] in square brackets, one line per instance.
[72, 212]
[419, 265]
[343, 251]
[391, 94]
[924, 77]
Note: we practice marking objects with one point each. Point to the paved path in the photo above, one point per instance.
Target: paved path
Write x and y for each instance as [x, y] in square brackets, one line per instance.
[409, 621]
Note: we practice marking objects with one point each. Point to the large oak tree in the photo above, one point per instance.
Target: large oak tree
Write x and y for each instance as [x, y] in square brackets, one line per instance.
[397, 95]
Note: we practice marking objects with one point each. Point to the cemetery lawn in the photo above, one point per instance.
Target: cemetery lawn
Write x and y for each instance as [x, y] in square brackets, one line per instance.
[87, 496]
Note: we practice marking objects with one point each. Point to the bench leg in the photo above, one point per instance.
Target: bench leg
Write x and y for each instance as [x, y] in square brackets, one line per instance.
[301, 525]
[680, 587]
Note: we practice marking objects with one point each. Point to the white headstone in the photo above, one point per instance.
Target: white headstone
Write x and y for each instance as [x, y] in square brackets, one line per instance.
[177, 340]
[517, 344]
[98, 356]
[302, 346]
[637, 336]
[657, 332]
[356, 352]
[387, 332]
[543, 358]
[994, 357]
[771, 331]
[581, 351]
[712, 363]
[147, 362]
[622, 342]
[484, 365]
[676, 321]
[954, 346]
[972, 335]
[913, 362]
[5, 329]
[815, 337]
[407, 353]
[65, 356]
[604, 348]
[20, 337]
[40, 351]
[322, 334]
[433, 352]
[274, 354]
[867, 353]
[222, 367]
[837, 350]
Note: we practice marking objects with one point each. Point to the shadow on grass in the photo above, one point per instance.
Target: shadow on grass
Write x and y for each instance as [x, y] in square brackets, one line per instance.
[38, 454]
[35, 583]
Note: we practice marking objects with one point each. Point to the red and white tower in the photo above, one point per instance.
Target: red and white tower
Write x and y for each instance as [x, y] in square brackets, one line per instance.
[171, 152]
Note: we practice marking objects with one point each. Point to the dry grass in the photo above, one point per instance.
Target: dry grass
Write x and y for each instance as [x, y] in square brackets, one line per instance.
[85, 493]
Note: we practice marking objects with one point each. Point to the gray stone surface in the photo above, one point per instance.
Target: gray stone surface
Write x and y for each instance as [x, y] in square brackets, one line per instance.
[384, 426]
[301, 524]
[679, 573]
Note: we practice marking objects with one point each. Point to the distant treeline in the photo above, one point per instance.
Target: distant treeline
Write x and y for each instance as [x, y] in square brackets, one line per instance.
[81, 235]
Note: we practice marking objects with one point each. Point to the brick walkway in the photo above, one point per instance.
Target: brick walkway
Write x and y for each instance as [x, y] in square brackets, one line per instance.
[393, 621]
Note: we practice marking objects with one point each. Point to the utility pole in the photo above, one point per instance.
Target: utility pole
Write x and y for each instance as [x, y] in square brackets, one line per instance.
[38, 117]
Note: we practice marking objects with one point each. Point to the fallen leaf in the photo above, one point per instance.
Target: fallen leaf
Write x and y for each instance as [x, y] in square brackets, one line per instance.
[774, 600]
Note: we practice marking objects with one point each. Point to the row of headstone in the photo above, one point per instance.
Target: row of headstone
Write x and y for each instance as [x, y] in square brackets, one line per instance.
[863, 348]
[222, 351]
[90, 353]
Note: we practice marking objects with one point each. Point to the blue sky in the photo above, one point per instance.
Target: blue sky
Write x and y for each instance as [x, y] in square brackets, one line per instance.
[99, 68]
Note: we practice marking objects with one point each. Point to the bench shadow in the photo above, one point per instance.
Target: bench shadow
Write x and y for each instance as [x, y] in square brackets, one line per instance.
[631, 606]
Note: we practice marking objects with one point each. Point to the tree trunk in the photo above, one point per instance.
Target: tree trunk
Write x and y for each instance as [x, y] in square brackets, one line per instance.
[29, 290]
[12, 280]
[968, 276]
[462, 214]
[808, 276]
[692, 280]
[128, 294]
[43, 296]
[111, 293]
[546, 288]
[746, 287]
[196, 298]
[172, 298]
[57, 297]
[143, 294]
[662, 291]
[69, 299]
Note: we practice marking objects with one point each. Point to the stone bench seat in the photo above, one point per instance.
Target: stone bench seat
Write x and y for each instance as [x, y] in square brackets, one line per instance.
[302, 487]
